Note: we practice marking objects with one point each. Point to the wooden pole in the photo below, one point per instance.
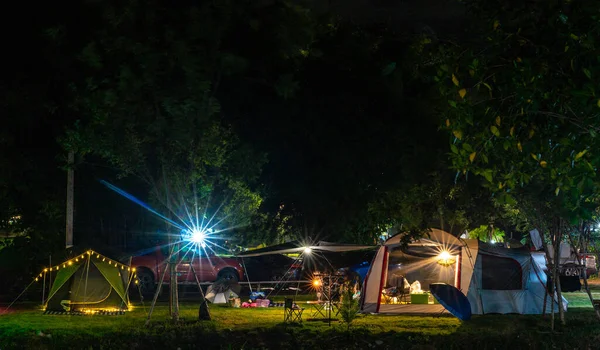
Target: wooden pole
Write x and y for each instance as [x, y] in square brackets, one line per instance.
[158, 288]
[203, 312]
[70, 199]
[173, 295]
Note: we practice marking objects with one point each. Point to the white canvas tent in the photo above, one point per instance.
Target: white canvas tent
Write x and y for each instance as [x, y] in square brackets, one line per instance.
[221, 291]
[494, 279]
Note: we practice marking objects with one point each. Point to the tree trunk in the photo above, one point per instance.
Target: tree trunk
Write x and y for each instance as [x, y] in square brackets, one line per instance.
[70, 199]
[557, 240]
[173, 292]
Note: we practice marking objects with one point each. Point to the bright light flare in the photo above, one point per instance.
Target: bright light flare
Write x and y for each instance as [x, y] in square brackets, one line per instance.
[198, 236]
[316, 283]
[445, 258]
[307, 250]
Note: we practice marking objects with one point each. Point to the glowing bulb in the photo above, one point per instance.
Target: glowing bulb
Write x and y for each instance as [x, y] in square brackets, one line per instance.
[445, 258]
[316, 282]
[445, 255]
[198, 236]
[70, 263]
[307, 250]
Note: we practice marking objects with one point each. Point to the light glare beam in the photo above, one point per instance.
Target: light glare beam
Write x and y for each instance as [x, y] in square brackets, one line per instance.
[140, 203]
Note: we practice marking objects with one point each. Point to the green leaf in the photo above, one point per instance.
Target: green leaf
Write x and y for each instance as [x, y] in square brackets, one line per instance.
[580, 154]
[388, 69]
[472, 156]
[488, 175]
[452, 103]
[587, 73]
[454, 149]
[495, 131]
[467, 147]
[455, 80]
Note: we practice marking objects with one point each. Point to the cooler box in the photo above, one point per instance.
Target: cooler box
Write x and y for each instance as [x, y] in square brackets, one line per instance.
[419, 298]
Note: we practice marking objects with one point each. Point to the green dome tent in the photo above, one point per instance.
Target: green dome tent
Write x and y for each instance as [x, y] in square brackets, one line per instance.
[89, 283]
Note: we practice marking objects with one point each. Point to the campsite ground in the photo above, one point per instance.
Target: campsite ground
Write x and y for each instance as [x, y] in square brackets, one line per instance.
[232, 328]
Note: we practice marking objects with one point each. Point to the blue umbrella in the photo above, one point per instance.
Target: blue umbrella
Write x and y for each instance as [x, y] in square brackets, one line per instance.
[452, 299]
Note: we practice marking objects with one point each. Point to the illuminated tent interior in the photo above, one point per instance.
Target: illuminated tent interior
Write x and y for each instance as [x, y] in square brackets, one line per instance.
[494, 279]
[89, 283]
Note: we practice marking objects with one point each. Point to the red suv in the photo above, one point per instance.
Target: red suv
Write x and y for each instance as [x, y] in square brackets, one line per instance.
[150, 267]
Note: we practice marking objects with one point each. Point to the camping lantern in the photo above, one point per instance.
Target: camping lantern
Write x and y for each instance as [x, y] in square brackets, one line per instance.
[445, 259]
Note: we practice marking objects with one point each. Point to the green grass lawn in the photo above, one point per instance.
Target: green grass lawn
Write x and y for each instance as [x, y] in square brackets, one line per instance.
[261, 328]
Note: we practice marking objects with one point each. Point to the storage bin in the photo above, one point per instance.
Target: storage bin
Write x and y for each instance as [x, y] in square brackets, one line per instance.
[419, 298]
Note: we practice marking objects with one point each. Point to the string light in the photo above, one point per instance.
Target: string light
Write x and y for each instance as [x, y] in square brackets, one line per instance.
[70, 263]
[45, 270]
[98, 256]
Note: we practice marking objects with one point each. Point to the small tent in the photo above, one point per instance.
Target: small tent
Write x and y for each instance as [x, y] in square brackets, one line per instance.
[89, 283]
[494, 279]
[221, 291]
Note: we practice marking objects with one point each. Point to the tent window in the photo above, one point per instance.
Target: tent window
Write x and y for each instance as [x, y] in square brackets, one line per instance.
[500, 273]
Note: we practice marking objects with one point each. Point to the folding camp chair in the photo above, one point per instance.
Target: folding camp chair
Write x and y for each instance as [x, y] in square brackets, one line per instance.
[291, 312]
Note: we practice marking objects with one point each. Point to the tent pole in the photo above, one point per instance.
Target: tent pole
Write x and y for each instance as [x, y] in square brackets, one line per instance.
[129, 280]
[87, 274]
[330, 302]
[44, 290]
[162, 278]
[246, 273]
[50, 274]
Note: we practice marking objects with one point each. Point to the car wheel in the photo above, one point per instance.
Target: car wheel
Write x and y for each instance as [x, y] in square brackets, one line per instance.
[146, 282]
[229, 275]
